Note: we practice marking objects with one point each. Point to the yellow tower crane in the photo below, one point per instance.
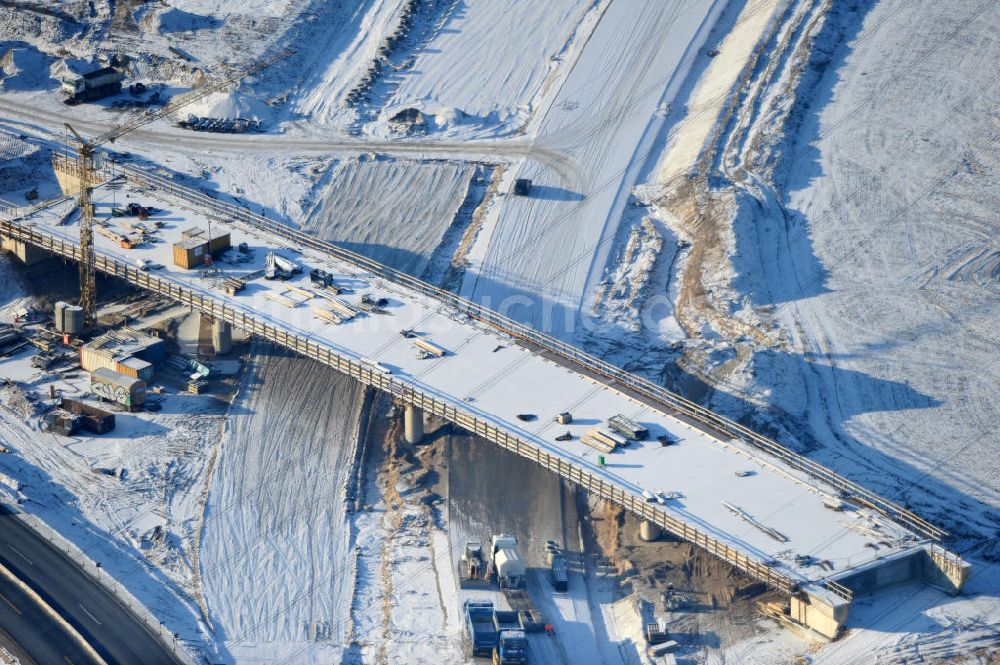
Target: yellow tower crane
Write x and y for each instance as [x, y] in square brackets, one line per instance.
[85, 169]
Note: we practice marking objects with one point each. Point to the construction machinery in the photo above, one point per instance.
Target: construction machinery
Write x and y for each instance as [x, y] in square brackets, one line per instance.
[89, 162]
[472, 570]
[507, 564]
[512, 643]
[278, 267]
[479, 626]
[495, 634]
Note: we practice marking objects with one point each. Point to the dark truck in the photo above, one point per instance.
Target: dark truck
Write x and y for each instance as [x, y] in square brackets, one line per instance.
[479, 624]
[512, 643]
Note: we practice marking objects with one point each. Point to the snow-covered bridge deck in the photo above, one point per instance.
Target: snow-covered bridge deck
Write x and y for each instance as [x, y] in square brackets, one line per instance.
[740, 495]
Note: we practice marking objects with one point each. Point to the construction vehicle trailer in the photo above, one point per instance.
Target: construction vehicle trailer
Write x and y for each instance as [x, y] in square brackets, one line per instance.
[557, 573]
[480, 628]
[278, 267]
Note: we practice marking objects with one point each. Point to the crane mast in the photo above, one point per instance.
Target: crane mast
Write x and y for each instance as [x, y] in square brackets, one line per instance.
[84, 169]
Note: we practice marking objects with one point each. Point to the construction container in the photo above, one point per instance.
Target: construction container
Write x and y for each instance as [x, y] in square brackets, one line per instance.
[91, 419]
[135, 368]
[118, 388]
[219, 242]
[190, 253]
[68, 318]
[564, 418]
[125, 353]
[61, 422]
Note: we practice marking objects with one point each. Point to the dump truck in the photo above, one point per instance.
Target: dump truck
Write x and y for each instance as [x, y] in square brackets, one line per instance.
[628, 428]
[482, 633]
[512, 643]
[93, 85]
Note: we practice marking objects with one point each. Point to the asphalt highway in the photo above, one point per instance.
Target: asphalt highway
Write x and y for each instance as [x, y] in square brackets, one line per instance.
[108, 626]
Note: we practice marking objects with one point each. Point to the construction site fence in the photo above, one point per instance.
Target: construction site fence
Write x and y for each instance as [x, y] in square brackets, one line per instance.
[614, 376]
[406, 393]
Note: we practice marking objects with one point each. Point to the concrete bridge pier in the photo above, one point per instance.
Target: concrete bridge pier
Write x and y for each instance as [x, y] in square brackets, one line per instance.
[222, 337]
[413, 424]
[649, 531]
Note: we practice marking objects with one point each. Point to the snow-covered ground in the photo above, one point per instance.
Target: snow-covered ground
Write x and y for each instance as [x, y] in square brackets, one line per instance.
[865, 226]
[460, 78]
[275, 556]
[539, 255]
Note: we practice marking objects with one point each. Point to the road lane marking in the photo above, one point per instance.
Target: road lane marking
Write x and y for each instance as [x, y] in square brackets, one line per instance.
[95, 619]
[18, 552]
[68, 661]
[12, 606]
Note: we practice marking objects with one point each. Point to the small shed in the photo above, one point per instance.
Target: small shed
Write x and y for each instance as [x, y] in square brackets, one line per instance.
[190, 253]
[522, 187]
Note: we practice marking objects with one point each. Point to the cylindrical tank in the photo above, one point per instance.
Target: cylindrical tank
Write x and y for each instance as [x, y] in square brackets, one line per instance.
[68, 318]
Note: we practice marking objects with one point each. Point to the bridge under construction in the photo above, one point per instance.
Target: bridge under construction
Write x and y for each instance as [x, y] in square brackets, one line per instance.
[775, 515]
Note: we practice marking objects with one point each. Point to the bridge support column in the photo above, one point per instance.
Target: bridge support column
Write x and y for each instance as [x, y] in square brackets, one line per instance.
[222, 337]
[26, 254]
[649, 531]
[413, 424]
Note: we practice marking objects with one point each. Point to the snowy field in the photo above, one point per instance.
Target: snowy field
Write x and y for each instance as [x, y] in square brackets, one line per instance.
[395, 212]
[540, 254]
[464, 79]
[275, 557]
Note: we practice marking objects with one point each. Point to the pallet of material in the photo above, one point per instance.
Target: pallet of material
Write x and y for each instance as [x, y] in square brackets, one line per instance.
[326, 315]
[281, 300]
[342, 309]
[429, 347]
[609, 438]
[598, 444]
[302, 292]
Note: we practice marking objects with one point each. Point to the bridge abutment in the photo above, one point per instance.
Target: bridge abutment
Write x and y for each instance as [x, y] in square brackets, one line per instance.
[413, 424]
[819, 609]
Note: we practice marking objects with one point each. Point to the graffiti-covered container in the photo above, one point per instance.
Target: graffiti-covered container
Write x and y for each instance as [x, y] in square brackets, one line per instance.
[111, 386]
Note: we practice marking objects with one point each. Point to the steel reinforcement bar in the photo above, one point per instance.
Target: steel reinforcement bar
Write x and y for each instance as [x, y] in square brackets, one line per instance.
[615, 376]
[406, 393]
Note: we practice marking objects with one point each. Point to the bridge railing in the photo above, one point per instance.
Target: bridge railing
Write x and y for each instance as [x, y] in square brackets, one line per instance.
[573, 472]
[615, 376]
